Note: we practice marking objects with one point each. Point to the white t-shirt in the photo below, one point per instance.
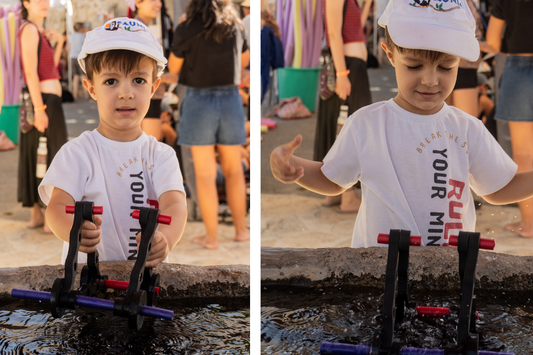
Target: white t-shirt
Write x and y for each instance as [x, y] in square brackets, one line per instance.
[416, 171]
[121, 177]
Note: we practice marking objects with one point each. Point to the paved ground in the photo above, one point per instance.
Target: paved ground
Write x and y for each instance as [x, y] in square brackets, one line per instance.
[292, 217]
[23, 247]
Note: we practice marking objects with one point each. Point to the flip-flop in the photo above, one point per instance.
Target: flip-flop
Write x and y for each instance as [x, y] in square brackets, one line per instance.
[338, 210]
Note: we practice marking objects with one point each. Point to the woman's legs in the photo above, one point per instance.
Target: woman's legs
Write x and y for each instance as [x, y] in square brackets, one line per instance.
[205, 169]
[230, 161]
[350, 203]
[37, 216]
[466, 100]
[522, 143]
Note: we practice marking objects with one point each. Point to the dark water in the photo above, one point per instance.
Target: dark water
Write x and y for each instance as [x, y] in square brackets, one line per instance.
[297, 321]
[220, 326]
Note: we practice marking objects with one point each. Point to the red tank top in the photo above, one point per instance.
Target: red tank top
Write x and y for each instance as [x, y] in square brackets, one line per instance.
[351, 27]
[46, 69]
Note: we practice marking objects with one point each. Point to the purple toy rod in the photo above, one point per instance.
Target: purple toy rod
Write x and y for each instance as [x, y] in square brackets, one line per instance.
[91, 302]
[349, 349]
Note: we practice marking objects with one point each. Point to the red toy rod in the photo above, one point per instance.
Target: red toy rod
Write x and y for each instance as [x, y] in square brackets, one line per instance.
[122, 285]
[96, 209]
[160, 219]
[484, 243]
[414, 240]
[432, 311]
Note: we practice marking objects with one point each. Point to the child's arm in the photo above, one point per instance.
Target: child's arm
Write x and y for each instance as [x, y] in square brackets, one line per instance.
[518, 189]
[60, 222]
[288, 168]
[171, 203]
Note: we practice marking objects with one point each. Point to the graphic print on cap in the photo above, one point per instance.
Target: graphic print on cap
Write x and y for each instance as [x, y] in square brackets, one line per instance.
[127, 26]
[438, 7]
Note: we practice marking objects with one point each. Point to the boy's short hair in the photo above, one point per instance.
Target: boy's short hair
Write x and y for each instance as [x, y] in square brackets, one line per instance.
[124, 36]
[445, 26]
[120, 59]
[433, 56]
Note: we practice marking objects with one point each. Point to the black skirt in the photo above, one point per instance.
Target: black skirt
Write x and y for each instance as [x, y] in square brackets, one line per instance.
[328, 110]
[56, 135]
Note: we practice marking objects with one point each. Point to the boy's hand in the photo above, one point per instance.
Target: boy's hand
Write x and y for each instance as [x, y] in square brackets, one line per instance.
[281, 165]
[159, 249]
[343, 87]
[91, 234]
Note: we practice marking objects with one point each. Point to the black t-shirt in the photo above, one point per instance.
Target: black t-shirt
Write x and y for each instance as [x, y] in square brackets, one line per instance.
[518, 16]
[206, 62]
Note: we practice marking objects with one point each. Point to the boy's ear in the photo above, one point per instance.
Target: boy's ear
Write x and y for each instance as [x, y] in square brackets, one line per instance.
[90, 88]
[388, 50]
[155, 85]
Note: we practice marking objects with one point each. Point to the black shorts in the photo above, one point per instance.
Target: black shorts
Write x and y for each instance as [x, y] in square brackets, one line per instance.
[154, 112]
[466, 79]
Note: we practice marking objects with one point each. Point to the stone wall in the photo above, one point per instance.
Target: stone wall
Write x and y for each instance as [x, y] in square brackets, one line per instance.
[429, 268]
[177, 281]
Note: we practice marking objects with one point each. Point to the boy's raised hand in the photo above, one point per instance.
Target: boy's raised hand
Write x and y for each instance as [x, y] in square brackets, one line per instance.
[91, 234]
[281, 164]
[159, 251]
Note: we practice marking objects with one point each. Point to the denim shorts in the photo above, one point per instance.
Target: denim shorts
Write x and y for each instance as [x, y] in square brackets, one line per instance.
[210, 116]
[515, 99]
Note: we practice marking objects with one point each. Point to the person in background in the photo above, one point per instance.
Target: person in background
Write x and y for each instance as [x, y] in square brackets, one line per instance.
[169, 105]
[485, 103]
[245, 5]
[147, 11]
[515, 104]
[39, 61]
[271, 49]
[75, 43]
[344, 23]
[209, 51]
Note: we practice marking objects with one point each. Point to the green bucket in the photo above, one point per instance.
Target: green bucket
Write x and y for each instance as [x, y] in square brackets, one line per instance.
[302, 82]
[9, 121]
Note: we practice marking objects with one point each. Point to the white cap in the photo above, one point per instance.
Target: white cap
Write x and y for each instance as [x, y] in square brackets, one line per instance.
[439, 25]
[123, 33]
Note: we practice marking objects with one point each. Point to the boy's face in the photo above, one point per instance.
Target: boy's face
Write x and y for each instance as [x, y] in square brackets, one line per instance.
[423, 85]
[123, 99]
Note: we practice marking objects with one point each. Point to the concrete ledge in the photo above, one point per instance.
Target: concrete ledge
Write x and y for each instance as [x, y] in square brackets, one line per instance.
[177, 281]
[429, 268]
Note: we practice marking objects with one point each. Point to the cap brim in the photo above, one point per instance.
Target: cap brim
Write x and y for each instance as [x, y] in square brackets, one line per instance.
[415, 35]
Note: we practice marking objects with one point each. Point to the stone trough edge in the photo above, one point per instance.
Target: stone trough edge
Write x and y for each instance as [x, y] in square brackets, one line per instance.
[429, 268]
[177, 281]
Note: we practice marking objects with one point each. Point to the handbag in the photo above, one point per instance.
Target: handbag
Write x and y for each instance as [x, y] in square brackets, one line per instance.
[327, 74]
[26, 111]
[290, 108]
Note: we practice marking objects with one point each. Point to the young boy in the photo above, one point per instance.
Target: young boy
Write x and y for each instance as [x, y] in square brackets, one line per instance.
[117, 166]
[415, 156]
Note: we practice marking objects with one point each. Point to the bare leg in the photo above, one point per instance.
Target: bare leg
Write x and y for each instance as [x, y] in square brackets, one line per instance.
[205, 169]
[75, 86]
[230, 161]
[330, 201]
[152, 127]
[522, 143]
[466, 100]
[37, 216]
[349, 201]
